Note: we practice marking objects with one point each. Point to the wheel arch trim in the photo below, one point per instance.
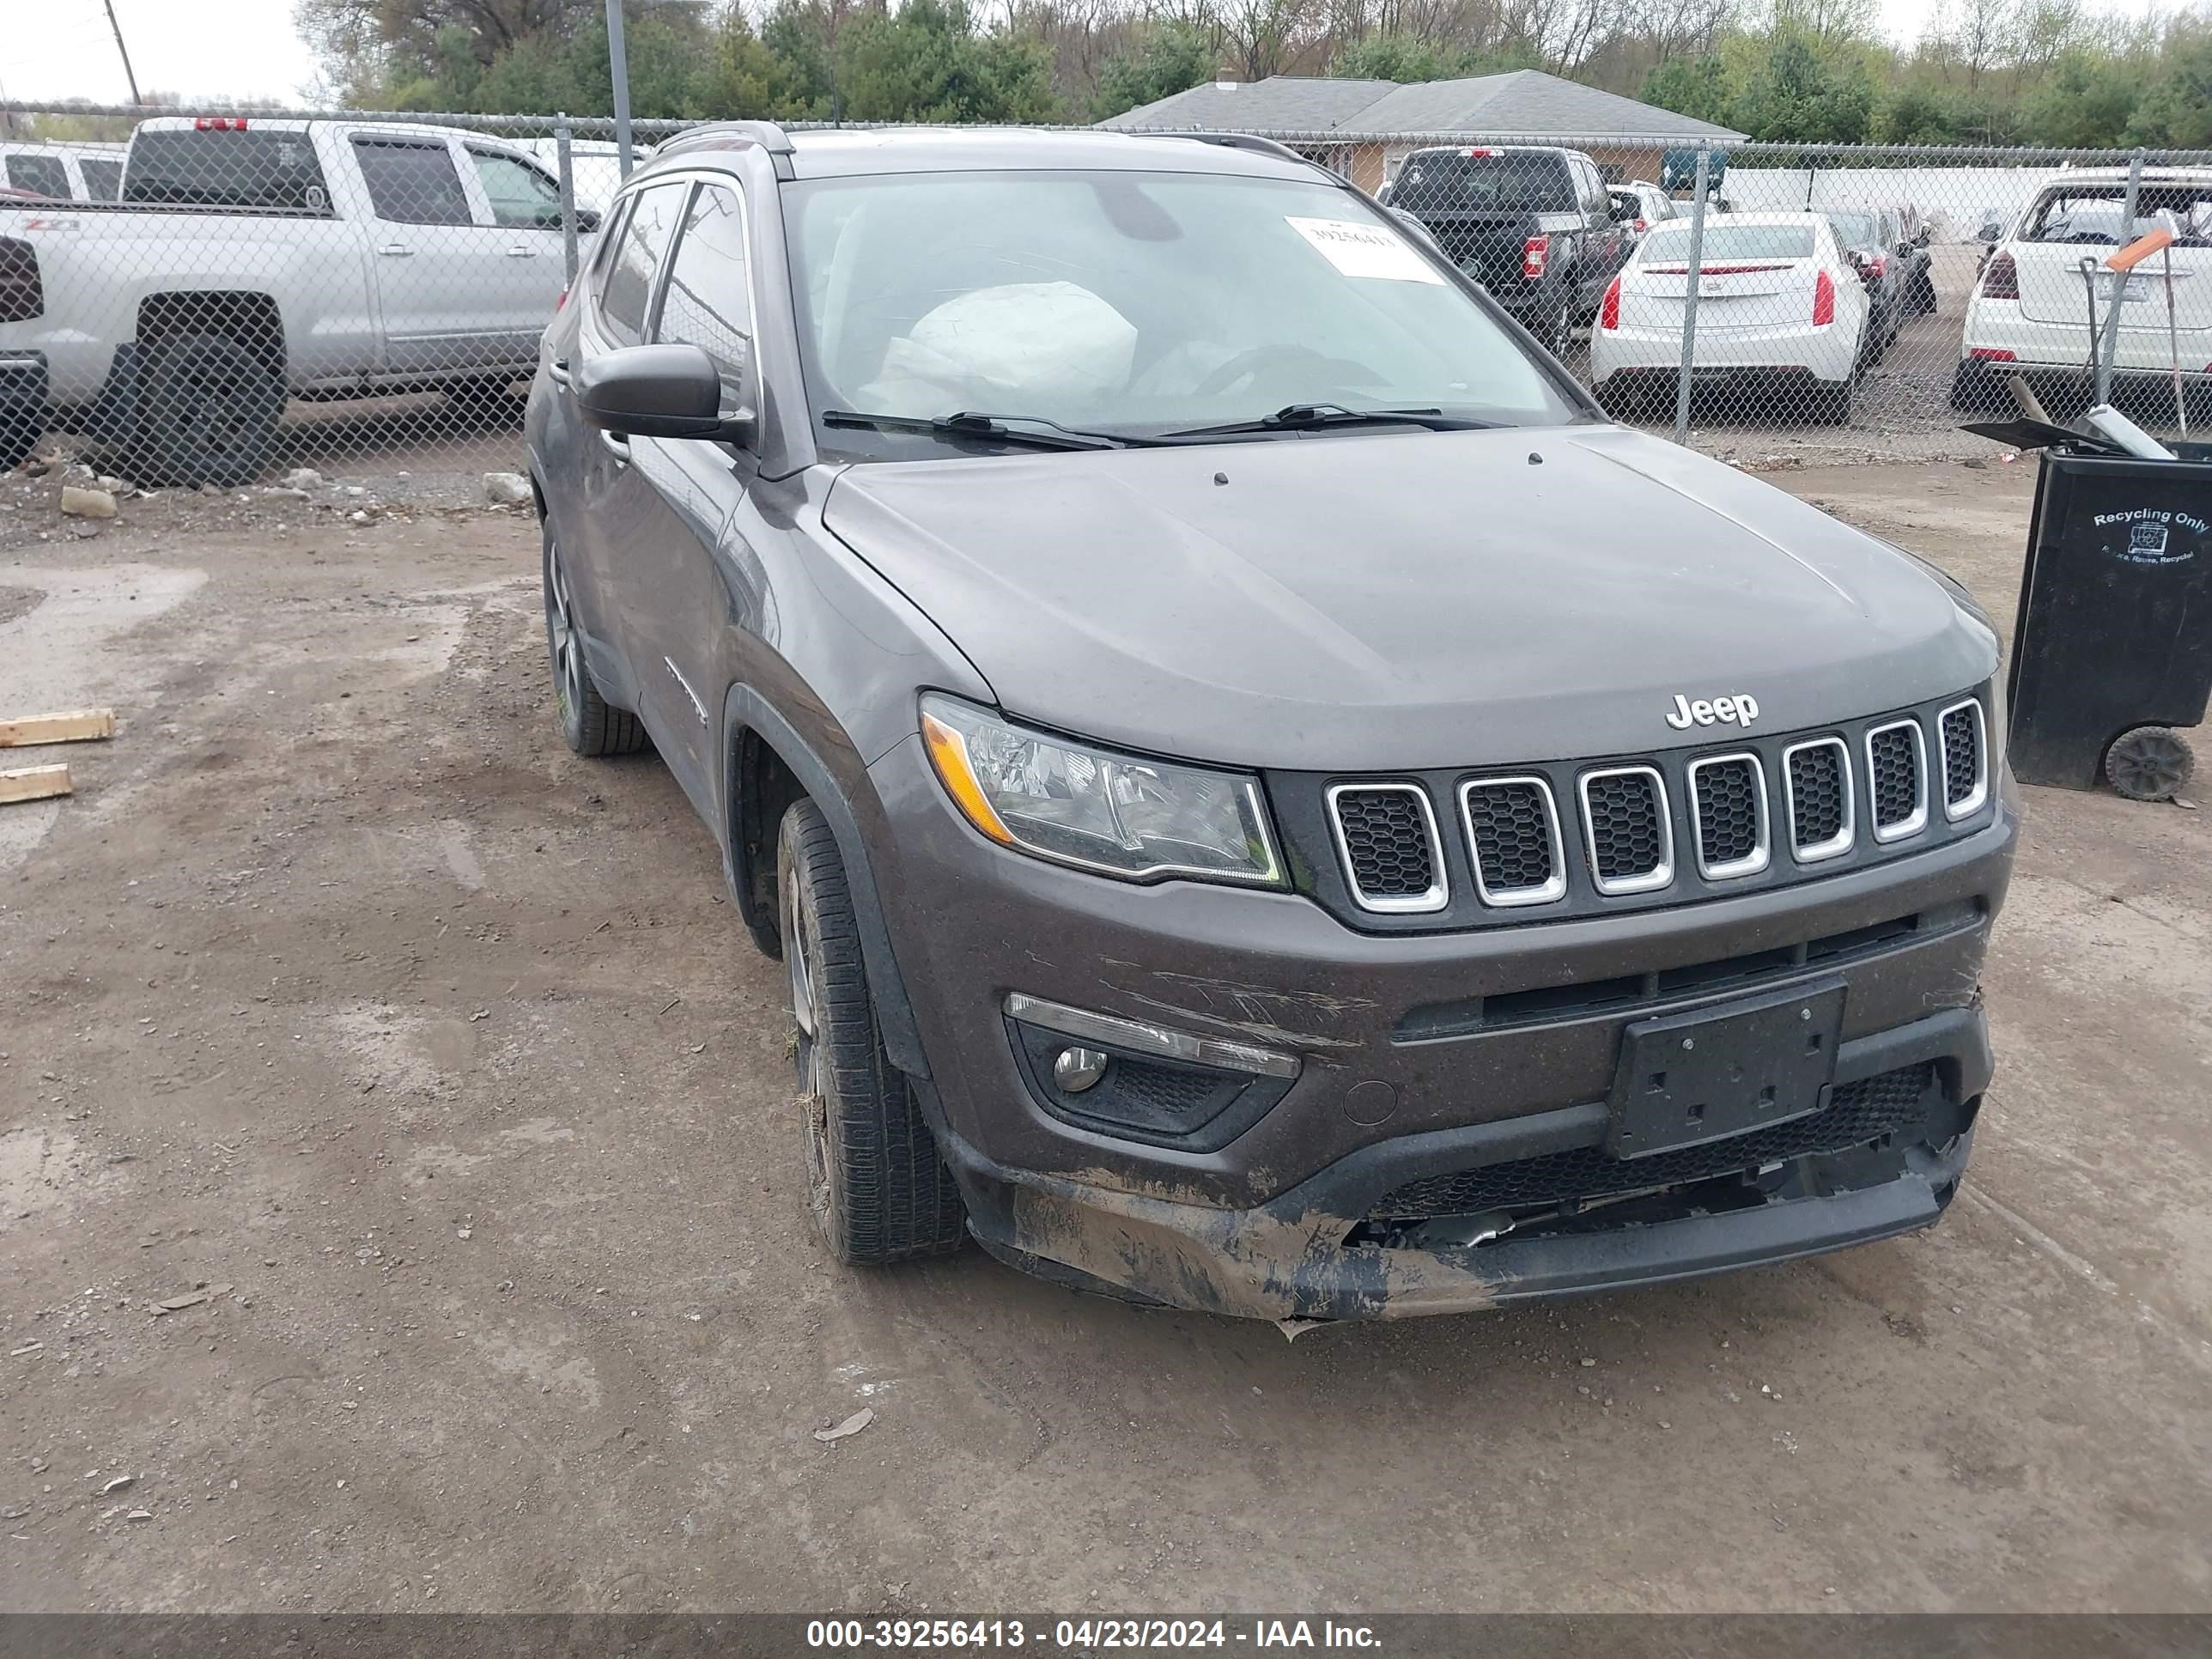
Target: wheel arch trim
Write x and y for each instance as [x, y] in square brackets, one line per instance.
[745, 708]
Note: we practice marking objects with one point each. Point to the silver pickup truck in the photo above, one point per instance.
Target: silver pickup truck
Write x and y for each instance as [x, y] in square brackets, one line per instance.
[252, 259]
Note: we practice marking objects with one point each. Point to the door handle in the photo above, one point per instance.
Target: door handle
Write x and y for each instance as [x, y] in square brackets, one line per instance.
[557, 371]
[397, 250]
[617, 446]
[519, 252]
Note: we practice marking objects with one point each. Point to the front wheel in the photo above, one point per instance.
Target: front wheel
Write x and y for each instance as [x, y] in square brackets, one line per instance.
[878, 1190]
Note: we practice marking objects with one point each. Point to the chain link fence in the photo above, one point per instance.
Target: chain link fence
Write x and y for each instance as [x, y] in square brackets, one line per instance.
[211, 296]
[1859, 298]
[215, 297]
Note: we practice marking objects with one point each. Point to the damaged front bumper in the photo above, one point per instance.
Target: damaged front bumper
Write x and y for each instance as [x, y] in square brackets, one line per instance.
[1320, 1251]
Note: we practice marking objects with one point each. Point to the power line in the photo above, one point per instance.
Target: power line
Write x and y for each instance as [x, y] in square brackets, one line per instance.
[125, 51]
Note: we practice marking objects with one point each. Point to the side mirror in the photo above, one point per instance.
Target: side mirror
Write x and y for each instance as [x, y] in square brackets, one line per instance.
[1920, 237]
[659, 392]
[587, 220]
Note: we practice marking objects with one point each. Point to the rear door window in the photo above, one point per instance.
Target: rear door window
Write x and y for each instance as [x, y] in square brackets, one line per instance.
[44, 175]
[626, 291]
[521, 195]
[224, 167]
[411, 183]
[103, 180]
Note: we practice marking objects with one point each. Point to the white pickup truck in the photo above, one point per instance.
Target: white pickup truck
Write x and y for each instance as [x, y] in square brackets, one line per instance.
[252, 259]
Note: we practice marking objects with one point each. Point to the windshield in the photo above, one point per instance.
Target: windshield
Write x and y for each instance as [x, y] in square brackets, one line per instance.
[1132, 302]
[1854, 229]
[1726, 241]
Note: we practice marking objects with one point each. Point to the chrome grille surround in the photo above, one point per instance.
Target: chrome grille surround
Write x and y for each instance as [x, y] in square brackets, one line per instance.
[1973, 803]
[1914, 822]
[1662, 874]
[1842, 841]
[1752, 862]
[1507, 898]
[1439, 890]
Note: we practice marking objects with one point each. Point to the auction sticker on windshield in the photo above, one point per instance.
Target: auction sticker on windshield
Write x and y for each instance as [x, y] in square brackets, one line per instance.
[1359, 250]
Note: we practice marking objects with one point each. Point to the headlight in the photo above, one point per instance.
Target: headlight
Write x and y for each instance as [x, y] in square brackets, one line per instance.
[1122, 815]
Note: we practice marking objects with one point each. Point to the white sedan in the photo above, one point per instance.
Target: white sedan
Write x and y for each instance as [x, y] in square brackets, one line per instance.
[1779, 309]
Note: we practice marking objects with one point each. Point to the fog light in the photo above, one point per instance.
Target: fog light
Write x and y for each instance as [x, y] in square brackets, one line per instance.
[1077, 1069]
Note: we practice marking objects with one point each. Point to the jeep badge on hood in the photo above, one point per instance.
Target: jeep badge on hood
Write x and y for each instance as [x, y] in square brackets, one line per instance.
[1741, 709]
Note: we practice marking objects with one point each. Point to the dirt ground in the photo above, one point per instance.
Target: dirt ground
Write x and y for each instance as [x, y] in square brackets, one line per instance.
[436, 1057]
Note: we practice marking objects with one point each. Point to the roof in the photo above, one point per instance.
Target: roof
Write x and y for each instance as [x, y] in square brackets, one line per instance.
[1285, 103]
[851, 152]
[1522, 103]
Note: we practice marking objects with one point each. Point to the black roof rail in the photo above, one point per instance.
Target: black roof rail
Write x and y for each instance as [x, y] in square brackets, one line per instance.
[1241, 140]
[723, 135]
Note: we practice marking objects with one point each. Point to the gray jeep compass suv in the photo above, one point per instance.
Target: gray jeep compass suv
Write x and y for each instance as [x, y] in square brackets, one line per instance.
[1267, 801]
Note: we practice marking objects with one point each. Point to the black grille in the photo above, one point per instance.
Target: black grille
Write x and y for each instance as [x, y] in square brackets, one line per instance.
[1856, 1113]
[1893, 757]
[1386, 842]
[1816, 794]
[1626, 832]
[1510, 825]
[1729, 828]
[1962, 754]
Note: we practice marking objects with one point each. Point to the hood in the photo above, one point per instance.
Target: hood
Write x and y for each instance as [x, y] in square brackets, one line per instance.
[1394, 602]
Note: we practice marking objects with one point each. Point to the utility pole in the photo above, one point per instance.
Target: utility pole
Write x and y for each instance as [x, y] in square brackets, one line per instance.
[125, 52]
[620, 63]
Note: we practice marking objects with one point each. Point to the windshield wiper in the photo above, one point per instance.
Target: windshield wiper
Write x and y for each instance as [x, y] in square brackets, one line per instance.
[1308, 417]
[1033, 430]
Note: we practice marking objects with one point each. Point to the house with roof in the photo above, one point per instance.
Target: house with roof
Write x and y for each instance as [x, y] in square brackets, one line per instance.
[1365, 129]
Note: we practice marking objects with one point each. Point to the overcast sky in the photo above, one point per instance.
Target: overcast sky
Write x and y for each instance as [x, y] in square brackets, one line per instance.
[247, 49]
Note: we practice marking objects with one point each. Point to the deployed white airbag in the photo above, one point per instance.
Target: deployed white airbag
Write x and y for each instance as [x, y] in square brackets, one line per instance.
[1010, 350]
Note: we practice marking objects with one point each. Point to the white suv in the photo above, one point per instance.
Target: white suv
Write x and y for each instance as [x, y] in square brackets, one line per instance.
[2030, 310]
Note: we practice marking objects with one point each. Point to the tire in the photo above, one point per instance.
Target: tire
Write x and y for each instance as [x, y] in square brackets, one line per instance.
[2150, 762]
[1831, 405]
[1923, 296]
[22, 424]
[589, 723]
[208, 409]
[878, 1190]
[1976, 390]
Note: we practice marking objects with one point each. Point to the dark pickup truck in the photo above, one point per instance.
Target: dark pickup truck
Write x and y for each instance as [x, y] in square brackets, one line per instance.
[1535, 226]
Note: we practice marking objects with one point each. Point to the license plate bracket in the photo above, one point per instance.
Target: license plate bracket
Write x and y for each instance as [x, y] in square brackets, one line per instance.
[1686, 1080]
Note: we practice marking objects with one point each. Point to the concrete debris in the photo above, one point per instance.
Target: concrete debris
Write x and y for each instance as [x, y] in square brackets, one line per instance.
[507, 488]
[852, 1424]
[301, 477]
[119, 1484]
[80, 502]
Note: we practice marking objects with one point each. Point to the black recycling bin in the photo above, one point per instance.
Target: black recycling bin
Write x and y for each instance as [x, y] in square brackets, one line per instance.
[2112, 649]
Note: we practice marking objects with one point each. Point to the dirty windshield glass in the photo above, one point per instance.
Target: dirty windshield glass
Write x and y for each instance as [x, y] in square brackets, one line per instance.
[1133, 302]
